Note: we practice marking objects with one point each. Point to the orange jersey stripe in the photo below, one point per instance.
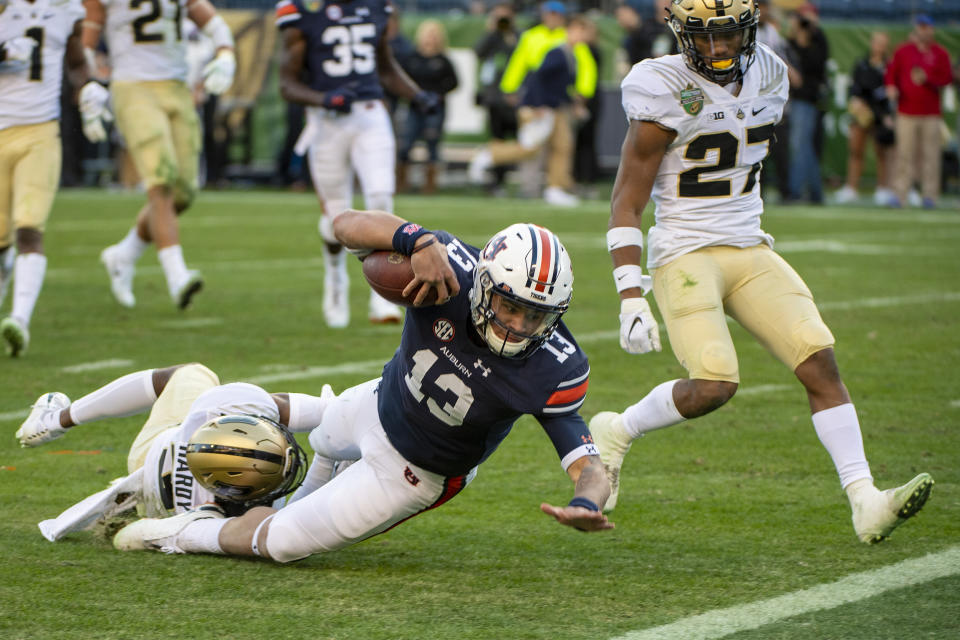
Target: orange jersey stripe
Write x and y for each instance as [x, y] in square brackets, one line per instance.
[286, 10]
[569, 395]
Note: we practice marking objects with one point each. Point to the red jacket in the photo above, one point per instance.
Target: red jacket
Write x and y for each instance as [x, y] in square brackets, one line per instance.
[919, 100]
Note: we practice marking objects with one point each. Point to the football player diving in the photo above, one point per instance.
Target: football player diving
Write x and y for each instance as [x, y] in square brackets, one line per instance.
[491, 349]
[700, 125]
[231, 445]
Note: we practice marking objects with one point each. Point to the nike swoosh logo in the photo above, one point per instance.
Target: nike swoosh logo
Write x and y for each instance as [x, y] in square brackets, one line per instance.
[756, 111]
[621, 276]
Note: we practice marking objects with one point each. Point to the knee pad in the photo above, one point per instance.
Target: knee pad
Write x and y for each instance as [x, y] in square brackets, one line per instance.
[380, 202]
[720, 361]
[183, 196]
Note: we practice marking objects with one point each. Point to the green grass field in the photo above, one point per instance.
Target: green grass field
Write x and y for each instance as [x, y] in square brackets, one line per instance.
[740, 506]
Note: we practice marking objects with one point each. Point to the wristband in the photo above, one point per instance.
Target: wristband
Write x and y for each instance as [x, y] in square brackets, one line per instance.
[405, 237]
[580, 501]
[424, 245]
[624, 237]
[631, 276]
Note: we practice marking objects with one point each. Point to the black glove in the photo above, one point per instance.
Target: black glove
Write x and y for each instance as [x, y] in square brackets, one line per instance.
[340, 99]
[426, 102]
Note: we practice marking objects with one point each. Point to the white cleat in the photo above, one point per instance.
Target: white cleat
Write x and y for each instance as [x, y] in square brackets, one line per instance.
[612, 442]
[189, 287]
[845, 195]
[479, 163]
[120, 272]
[43, 423]
[160, 534]
[382, 311]
[336, 297]
[877, 513]
[559, 198]
[15, 335]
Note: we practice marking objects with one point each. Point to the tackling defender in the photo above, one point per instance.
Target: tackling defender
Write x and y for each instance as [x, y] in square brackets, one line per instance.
[36, 38]
[156, 115]
[700, 125]
[492, 349]
[337, 61]
[179, 460]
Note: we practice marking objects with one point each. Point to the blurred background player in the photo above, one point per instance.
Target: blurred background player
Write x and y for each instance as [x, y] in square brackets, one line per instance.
[155, 113]
[348, 62]
[709, 258]
[33, 47]
[492, 349]
[177, 460]
[431, 69]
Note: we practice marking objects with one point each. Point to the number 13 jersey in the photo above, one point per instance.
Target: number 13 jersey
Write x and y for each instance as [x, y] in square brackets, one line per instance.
[707, 190]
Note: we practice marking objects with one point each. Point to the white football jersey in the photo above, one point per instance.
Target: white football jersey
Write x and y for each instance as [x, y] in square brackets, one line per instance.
[707, 191]
[145, 39]
[168, 485]
[30, 91]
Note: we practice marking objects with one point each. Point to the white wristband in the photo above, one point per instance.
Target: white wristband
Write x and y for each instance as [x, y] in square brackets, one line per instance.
[631, 276]
[217, 30]
[624, 237]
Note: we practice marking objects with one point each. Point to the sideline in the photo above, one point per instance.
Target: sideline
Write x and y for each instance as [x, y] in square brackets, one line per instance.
[852, 588]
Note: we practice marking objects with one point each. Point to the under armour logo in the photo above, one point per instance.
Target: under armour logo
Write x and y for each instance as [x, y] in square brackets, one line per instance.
[592, 450]
[479, 365]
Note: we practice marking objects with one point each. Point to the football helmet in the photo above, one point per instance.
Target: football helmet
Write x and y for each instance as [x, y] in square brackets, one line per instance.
[726, 31]
[521, 287]
[246, 459]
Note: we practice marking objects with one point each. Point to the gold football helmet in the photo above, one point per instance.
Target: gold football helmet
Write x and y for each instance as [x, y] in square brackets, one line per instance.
[246, 459]
[718, 38]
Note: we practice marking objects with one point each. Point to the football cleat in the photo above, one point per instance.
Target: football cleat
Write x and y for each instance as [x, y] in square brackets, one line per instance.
[878, 513]
[43, 423]
[846, 195]
[15, 335]
[479, 163]
[382, 311]
[336, 300]
[188, 288]
[557, 197]
[120, 272]
[160, 534]
[612, 442]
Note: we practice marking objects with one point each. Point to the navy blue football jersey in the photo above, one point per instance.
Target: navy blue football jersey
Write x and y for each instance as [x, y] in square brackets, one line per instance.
[341, 40]
[446, 401]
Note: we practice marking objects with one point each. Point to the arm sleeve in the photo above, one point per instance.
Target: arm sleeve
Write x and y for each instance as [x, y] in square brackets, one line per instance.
[516, 69]
[450, 80]
[645, 97]
[939, 74]
[570, 436]
[586, 80]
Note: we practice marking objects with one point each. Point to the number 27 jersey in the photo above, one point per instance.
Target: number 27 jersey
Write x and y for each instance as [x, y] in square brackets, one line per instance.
[707, 190]
[341, 41]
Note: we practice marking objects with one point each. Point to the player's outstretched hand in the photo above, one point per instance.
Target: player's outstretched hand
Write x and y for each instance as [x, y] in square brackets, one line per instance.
[579, 518]
[219, 72]
[432, 270]
[18, 49]
[94, 112]
[639, 331]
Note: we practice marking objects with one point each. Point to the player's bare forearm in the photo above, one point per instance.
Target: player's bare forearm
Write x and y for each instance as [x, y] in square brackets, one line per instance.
[93, 23]
[292, 89]
[366, 229]
[392, 76]
[76, 61]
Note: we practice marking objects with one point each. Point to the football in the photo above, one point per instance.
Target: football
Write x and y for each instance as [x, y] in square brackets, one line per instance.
[388, 273]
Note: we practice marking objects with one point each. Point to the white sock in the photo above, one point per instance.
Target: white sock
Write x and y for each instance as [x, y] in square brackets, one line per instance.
[335, 261]
[319, 474]
[133, 393]
[655, 411]
[202, 536]
[28, 272]
[171, 258]
[132, 246]
[839, 431]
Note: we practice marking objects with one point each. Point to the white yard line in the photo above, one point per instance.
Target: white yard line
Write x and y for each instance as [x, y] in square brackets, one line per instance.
[852, 588]
[114, 363]
[10, 416]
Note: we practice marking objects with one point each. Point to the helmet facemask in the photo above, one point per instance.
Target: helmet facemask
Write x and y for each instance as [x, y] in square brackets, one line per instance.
[705, 27]
[521, 289]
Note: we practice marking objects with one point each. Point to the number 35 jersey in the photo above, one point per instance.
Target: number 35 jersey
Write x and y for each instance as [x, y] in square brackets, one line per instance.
[145, 39]
[446, 401]
[707, 190]
[30, 91]
[341, 40]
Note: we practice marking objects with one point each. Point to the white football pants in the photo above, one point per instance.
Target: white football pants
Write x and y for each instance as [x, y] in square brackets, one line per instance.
[361, 141]
[375, 493]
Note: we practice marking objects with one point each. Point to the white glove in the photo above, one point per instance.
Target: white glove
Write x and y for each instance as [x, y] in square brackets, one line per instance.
[19, 49]
[94, 112]
[639, 332]
[218, 74]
